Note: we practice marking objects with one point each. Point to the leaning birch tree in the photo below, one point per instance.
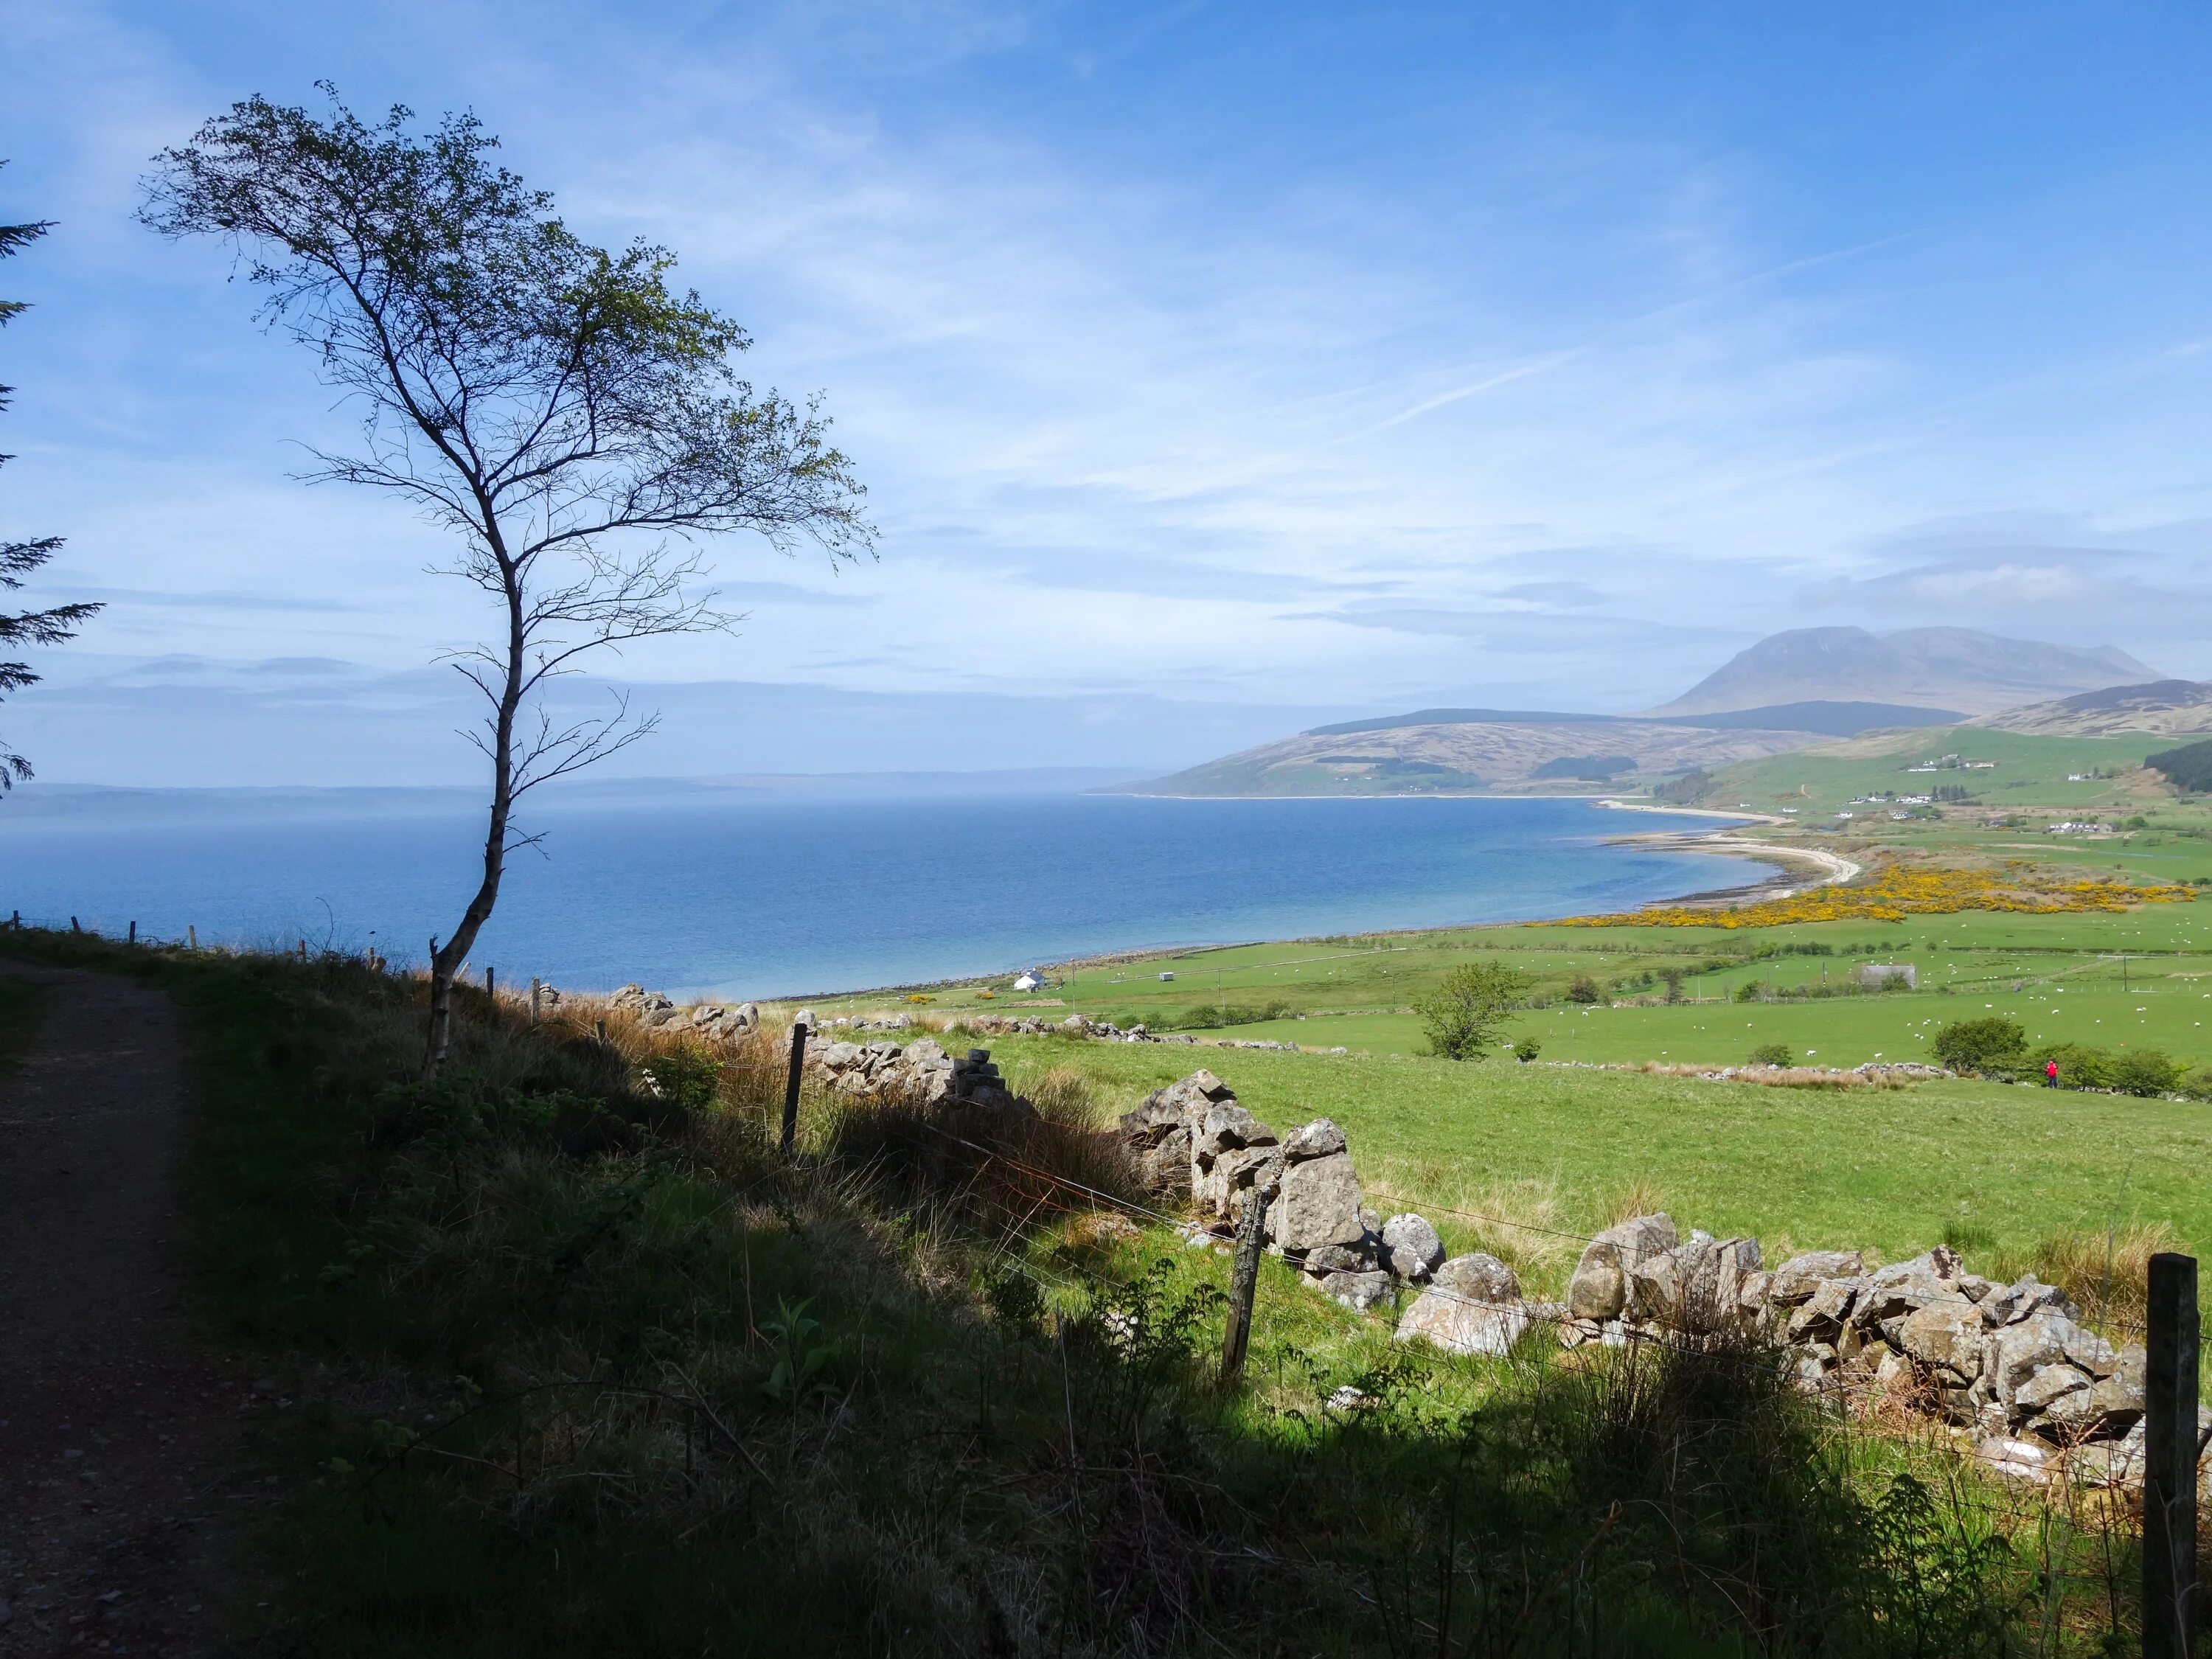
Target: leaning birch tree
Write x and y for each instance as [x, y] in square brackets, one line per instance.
[578, 427]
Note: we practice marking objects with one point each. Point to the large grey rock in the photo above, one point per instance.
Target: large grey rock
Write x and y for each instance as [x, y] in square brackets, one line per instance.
[1356, 1291]
[1319, 1138]
[2015, 1353]
[1477, 1277]
[1654, 1284]
[1360, 1258]
[1230, 1177]
[2048, 1386]
[1695, 1285]
[1158, 1137]
[1754, 1299]
[1947, 1336]
[1317, 1204]
[1227, 1127]
[1934, 1276]
[1459, 1326]
[1795, 1279]
[1411, 1248]
[2015, 1459]
[2119, 1399]
[1821, 1315]
[1715, 1293]
[1599, 1289]
[2025, 1296]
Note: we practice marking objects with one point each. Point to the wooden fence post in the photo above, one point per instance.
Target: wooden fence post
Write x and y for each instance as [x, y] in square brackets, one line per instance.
[191, 936]
[134, 933]
[491, 989]
[791, 1086]
[1245, 1282]
[2171, 1614]
[536, 989]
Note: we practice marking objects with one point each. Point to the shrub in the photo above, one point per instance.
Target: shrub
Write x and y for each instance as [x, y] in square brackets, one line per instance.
[1583, 989]
[1684, 791]
[2079, 1066]
[1527, 1049]
[1462, 1016]
[1748, 992]
[1773, 1054]
[2145, 1071]
[1975, 1045]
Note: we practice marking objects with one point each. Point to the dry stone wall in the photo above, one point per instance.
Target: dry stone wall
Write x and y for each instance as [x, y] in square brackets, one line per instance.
[2011, 1363]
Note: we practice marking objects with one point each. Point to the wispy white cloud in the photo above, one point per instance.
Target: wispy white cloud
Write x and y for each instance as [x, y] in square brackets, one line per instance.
[1159, 386]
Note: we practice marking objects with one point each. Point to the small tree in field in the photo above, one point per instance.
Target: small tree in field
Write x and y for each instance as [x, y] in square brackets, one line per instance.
[574, 424]
[1462, 1016]
[18, 559]
[1975, 1045]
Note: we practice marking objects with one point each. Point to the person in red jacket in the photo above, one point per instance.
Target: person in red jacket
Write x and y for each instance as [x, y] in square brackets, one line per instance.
[2050, 1074]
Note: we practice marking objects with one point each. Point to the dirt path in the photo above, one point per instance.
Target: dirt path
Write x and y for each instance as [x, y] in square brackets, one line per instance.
[122, 1430]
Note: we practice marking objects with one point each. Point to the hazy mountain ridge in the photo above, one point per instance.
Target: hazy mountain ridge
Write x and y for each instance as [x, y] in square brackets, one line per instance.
[2163, 708]
[1790, 691]
[1471, 756]
[1952, 668]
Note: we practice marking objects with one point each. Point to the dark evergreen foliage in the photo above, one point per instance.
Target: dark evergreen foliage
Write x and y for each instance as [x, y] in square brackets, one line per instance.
[18, 559]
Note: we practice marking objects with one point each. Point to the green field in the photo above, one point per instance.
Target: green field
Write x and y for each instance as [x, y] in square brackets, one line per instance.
[2027, 771]
[2134, 979]
[1996, 1166]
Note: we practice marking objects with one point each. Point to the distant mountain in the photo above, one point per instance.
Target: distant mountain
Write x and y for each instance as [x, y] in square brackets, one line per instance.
[1827, 720]
[1954, 670]
[1789, 691]
[2167, 708]
[1466, 756]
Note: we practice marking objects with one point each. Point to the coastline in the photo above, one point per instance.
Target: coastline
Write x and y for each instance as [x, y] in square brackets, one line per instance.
[1831, 869]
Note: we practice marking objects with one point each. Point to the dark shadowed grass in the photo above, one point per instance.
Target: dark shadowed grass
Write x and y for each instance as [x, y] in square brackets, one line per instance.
[22, 1004]
[604, 1375]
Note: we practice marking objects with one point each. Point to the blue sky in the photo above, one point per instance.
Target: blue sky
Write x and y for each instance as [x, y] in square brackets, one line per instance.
[1214, 369]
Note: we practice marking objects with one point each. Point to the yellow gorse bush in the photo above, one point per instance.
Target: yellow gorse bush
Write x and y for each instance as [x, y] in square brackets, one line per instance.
[1893, 891]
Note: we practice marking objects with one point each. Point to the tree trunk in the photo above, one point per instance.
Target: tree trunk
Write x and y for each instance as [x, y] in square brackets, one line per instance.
[446, 962]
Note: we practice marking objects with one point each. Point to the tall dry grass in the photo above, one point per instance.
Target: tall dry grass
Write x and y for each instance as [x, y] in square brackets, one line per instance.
[2108, 1272]
[1524, 1224]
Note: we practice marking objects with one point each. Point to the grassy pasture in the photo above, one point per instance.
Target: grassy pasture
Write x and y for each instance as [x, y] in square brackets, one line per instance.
[1997, 1168]
[2028, 771]
[2136, 978]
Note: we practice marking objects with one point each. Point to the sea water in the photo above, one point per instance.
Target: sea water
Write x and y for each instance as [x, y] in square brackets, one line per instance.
[745, 893]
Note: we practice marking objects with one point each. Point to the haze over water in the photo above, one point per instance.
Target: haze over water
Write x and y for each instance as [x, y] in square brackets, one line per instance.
[737, 893]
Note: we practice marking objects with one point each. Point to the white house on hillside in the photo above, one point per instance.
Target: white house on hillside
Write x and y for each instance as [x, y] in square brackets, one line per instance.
[1031, 981]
